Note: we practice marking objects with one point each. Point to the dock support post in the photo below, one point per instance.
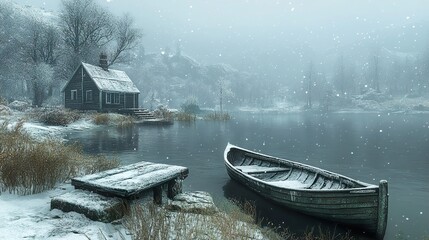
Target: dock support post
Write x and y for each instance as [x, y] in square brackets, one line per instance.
[383, 202]
[157, 195]
[174, 188]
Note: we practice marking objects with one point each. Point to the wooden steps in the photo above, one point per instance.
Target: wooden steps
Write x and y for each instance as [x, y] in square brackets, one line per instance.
[141, 113]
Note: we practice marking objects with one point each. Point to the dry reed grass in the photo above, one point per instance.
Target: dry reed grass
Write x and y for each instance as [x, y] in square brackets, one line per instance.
[29, 167]
[164, 113]
[121, 121]
[219, 116]
[125, 121]
[153, 222]
[185, 117]
[100, 118]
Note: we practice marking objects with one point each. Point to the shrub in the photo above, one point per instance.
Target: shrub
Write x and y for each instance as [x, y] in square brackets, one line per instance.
[190, 106]
[218, 116]
[28, 166]
[164, 113]
[57, 117]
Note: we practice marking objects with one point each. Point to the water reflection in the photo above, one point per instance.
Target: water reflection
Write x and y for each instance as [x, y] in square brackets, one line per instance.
[367, 147]
[111, 140]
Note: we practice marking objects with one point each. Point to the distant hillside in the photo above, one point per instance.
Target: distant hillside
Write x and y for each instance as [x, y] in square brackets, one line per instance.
[172, 79]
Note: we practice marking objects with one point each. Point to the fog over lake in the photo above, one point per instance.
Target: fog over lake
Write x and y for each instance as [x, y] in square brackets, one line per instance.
[341, 85]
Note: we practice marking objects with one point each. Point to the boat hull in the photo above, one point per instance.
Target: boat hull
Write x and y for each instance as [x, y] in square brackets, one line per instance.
[363, 206]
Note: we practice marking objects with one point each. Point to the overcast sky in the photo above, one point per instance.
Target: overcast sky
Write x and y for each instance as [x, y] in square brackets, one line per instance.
[238, 31]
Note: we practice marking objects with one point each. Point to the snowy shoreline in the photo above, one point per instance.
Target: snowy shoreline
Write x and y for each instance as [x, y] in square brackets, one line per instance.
[30, 216]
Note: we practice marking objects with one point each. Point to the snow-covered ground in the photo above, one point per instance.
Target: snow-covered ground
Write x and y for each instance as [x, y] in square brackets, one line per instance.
[39, 130]
[30, 216]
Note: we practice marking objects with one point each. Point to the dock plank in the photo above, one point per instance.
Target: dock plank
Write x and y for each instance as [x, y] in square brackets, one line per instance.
[130, 180]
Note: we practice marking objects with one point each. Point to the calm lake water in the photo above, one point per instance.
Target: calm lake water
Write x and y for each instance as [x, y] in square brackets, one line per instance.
[365, 146]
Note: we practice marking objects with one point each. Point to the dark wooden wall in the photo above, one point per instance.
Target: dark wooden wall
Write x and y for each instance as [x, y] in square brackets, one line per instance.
[127, 100]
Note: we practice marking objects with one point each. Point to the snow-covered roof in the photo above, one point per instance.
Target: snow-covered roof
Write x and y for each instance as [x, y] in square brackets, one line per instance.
[110, 80]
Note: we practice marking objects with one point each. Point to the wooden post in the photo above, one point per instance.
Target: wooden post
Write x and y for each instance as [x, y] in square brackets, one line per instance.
[383, 202]
[174, 188]
[157, 195]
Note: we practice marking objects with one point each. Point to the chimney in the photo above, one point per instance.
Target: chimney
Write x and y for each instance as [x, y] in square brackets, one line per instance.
[103, 61]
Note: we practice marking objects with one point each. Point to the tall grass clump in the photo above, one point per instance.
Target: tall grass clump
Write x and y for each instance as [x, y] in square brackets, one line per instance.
[29, 167]
[325, 235]
[125, 121]
[56, 116]
[148, 221]
[163, 113]
[246, 212]
[219, 116]
[100, 118]
[118, 120]
[185, 117]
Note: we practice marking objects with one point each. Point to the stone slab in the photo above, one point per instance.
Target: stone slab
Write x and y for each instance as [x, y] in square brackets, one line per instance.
[94, 206]
[193, 202]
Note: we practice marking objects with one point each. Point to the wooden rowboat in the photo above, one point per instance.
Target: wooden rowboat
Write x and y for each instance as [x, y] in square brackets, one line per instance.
[311, 190]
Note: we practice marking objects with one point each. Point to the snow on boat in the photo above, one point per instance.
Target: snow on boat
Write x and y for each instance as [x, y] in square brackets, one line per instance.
[311, 190]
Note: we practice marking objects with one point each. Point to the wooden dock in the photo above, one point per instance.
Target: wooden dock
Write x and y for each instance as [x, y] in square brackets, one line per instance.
[100, 196]
[131, 181]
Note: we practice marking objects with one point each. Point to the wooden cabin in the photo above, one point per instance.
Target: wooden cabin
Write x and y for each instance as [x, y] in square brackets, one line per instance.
[99, 88]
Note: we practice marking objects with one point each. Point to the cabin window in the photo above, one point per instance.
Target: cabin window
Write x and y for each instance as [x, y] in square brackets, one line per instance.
[73, 95]
[112, 98]
[89, 95]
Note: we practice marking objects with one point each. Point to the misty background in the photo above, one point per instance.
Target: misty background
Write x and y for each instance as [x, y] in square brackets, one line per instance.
[261, 53]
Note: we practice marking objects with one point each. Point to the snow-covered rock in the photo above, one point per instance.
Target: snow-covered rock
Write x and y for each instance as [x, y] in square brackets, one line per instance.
[4, 110]
[92, 205]
[19, 105]
[193, 202]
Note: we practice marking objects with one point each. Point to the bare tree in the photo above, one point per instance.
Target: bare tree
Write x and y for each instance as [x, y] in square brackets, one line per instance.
[41, 79]
[376, 76]
[340, 76]
[87, 28]
[43, 43]
[85, 25]
[225, 91]
[126, 36]
[40, 54]
[309, 86]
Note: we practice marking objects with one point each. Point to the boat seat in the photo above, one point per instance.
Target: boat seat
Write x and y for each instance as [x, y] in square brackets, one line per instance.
[256, 169]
